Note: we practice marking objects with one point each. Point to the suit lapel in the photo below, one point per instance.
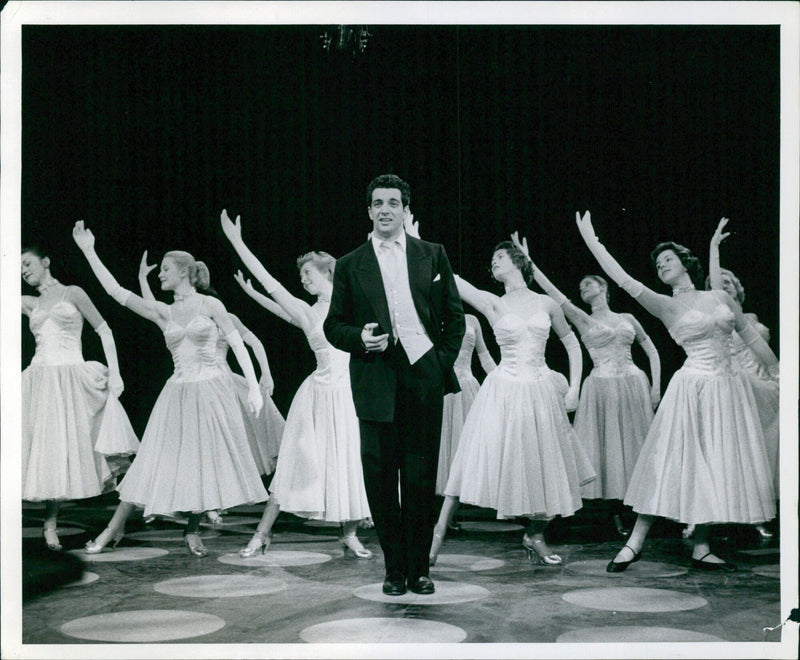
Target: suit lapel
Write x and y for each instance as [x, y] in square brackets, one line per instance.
[368, 275]
[419, 271]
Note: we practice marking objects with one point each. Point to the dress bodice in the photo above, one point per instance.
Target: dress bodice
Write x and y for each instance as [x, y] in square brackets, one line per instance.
[332, 364]
[610, 348]
[193, 348]
[522, 342]
[463, 363]
[706, 338]
[57, 332]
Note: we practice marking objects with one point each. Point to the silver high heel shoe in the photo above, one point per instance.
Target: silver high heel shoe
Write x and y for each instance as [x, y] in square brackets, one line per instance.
[260, 541]
[51, 538]
[194, 544]
[351, 547]
[534, 552]
[214, 517]
[111, 536]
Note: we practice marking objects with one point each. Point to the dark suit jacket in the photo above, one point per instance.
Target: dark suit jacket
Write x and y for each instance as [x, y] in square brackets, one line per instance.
[359, 298]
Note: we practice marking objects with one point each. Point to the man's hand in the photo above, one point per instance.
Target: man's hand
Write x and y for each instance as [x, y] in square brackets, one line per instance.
[374, 343]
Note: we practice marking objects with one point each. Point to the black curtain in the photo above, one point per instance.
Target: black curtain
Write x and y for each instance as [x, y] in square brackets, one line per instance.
[147, 132]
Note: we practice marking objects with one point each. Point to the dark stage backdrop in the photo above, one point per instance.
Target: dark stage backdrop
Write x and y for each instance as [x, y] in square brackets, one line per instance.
[147, 132]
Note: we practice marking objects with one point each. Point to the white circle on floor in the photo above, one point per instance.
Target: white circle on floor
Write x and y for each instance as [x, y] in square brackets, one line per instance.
[121, 554]
[87, 578]
[36, 532]
[380, 630]
[232, 521]
[490, 526]
[446, 592]
[445, 563]
[276, 558]
[634, 634]
[220, 586]
[321, 523]
[634, 599]
[143, 626]
[768, 570]
[649, 569]
[167, 535]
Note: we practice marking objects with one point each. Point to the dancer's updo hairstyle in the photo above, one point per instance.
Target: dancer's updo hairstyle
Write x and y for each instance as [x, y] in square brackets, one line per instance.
[322, 261]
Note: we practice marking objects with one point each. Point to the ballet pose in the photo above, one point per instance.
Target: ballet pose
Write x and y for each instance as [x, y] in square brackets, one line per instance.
[76, 437]
[518, 453]
[318, 474]
[704, 459]
[264, 431]
[616, 403]
[765, 388]
[194, 455]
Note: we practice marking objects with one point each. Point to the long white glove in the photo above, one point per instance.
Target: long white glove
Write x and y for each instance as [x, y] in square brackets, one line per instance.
[486, 360]
[254, 398]
[604, 258]
[570, 342]
[655, 370]
[110, 349]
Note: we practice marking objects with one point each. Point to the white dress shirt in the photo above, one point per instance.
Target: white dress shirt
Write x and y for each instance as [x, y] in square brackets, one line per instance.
[406, 325]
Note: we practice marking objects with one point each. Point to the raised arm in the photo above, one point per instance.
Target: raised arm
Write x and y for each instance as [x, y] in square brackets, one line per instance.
[267, 303]
[575, 314]
[570, 341]
[484, 301]
[224, 322]
[485, 358]
[151, 310]
[652, 355]
[144, 271]
[658, 305]
[85, 306]
[299, 310]
[258, 350]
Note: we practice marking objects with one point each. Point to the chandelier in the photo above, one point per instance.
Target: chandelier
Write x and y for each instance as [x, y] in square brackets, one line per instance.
[343, 38]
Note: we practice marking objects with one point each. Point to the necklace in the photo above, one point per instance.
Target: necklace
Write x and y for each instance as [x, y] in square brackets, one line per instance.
[682, 289]
[516, 287]
[185, 296]
[47, 285]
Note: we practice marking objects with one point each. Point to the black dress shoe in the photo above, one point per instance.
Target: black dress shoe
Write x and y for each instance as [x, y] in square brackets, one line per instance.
[620, 566]
[422, 585]
[701, 565]
[394, 584]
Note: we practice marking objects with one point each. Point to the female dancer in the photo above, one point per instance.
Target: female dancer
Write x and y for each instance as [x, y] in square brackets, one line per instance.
[616, 402]
[703, 460]
[518, 453]
[264, 431]
[194, 455]
[765, 389]
[456, 406]
[319, 466]
[76, 436]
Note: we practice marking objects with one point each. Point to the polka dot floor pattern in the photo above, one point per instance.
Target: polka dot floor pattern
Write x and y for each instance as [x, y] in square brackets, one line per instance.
[304, 591]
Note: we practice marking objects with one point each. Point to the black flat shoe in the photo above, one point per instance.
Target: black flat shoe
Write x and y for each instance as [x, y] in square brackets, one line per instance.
[394, 584]
[422, 585]
[701, 565]
[620, 566]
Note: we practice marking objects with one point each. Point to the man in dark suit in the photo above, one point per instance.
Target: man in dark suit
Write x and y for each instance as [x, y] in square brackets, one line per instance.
[396, 310]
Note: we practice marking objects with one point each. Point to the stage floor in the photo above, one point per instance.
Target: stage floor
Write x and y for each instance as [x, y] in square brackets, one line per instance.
[303, 590]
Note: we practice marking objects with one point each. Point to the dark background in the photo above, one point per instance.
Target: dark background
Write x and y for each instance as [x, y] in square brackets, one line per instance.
[147, 132]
